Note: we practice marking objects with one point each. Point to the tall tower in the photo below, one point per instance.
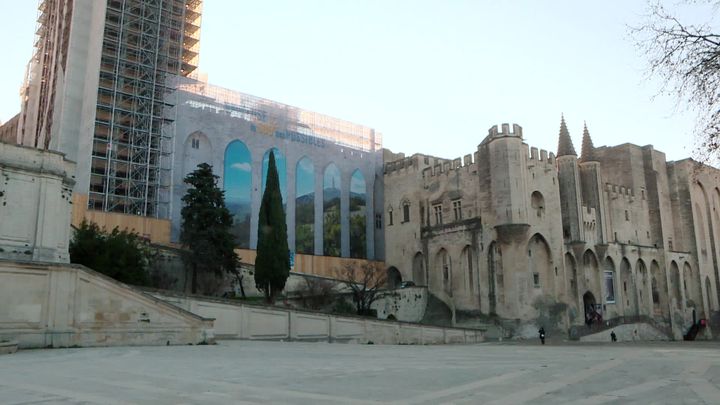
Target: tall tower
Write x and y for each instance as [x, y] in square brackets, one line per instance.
[591, 185]
[569, 182]
[100, 90]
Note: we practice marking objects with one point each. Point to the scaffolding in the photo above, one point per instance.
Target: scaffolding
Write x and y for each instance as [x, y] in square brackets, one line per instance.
[146, 43]
[277, 119]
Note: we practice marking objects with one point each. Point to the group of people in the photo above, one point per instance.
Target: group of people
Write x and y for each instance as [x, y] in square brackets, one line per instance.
[593, 317]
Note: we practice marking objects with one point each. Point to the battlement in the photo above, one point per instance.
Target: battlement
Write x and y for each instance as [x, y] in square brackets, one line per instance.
[541, 155]
[403, 165]
[504, 131]
[449, 165]
[615, 191]
[589, 218]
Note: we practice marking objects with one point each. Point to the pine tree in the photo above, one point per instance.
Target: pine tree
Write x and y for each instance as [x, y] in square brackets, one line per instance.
[272, 265]
[205, 234]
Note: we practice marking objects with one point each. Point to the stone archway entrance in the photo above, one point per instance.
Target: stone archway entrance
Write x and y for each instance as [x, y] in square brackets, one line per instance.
[394, 278]
[589, 304]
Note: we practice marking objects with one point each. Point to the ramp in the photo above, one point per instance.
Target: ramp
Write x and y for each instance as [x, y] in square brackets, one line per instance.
[61, 305]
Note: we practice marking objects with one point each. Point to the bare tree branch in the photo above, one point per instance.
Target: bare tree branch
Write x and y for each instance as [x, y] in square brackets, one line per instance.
[687, 59]
[364, 281]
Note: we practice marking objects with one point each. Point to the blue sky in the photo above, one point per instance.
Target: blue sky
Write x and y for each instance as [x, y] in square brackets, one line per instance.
[431, 76]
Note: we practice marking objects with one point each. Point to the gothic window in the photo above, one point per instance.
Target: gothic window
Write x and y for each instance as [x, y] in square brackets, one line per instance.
[538, 203]
[457, 209]
[445, 266]
[437, 210]
[390, 216]
[406, 211]
[470, 267]
[609, 287]
[655, 291]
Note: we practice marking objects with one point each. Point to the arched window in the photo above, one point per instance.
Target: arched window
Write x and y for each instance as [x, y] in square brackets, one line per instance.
[394, 278]
[537, 201]
[629, 291]
[237, 183]
[675, 280]
[540, 264]
[468, 258]
[419, 269]
[444, 262]
[305, 206]
[406, 211]
[331, 211]
[609, 281]
[358, 215]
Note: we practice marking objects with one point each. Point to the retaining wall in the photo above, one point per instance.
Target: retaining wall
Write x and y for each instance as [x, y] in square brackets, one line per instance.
[60, 305]
[235, 320]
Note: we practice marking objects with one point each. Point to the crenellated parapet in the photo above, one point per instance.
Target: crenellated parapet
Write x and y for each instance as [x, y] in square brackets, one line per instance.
[403, 166]
[589, 218]
[615, 191]
[541, 157]
[450, 166]
[503, 131]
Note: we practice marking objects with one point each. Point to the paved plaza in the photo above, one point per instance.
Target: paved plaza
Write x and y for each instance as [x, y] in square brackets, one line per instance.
[244, 372]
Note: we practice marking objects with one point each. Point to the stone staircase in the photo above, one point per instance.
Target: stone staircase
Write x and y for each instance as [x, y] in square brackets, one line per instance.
[577, 332]
[437, 312]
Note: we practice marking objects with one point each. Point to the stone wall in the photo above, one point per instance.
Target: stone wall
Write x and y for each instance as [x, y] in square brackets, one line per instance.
[54, 305]
[241, 321]
[405, 304]
[35, 203]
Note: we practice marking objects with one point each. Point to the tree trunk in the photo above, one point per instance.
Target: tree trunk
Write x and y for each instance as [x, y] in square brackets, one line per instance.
[242, 289]
[194, 279]
[268, 294]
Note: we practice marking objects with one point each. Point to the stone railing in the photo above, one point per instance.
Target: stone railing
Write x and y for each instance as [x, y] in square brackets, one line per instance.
[238, 320]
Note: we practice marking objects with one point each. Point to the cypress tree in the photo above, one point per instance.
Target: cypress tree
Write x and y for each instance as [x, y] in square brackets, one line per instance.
[272, 265]
[209, 247]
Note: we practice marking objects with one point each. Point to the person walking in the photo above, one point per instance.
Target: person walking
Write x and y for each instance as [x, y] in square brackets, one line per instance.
[613, 336]
[542, 335]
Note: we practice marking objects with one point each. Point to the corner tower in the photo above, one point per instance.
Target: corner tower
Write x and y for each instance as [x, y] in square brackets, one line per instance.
[569, 182]
[507, 180]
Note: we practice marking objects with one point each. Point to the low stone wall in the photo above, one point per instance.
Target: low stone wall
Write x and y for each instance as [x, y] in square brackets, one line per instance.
[58, 305]
[403, 304]
[234, 320]
[628, 333]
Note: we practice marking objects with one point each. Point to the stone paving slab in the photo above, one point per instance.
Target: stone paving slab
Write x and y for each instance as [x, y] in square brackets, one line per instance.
[246, 372]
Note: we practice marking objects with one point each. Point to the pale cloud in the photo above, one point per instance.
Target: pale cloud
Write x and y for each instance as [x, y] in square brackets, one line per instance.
[245, 167]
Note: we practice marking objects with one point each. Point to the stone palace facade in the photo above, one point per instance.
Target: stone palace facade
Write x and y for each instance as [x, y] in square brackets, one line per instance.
[538, 238]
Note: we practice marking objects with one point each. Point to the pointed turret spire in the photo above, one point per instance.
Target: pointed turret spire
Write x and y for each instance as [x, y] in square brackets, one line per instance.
[588, 150]
[565, 145]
